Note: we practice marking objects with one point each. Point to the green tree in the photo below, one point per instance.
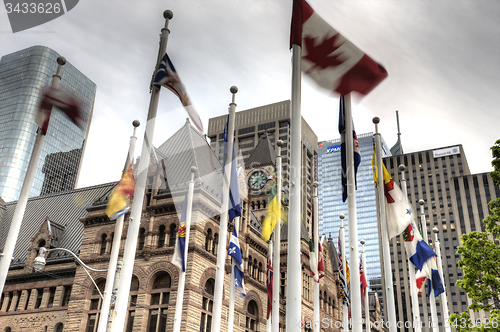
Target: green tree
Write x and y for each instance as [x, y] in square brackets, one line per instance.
[480, 258]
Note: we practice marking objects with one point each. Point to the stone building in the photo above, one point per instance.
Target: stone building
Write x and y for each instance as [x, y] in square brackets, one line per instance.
[64, 297]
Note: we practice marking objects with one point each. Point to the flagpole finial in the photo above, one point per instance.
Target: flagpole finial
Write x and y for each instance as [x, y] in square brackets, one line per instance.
[136, 123]
[61, 60]
[315, 184]
[279, 143]
[233, 89]
[402, 167]
[362, 242]
[167, 14]
[421, 202]
[376, 120]
[342, 216]
[193, 169]
[435, 230]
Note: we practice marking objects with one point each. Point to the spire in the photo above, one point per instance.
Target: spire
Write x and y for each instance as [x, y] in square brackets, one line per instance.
[263, 153]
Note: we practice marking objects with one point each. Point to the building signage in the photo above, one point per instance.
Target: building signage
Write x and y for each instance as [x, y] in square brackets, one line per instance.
[334, 148]
[446, 152]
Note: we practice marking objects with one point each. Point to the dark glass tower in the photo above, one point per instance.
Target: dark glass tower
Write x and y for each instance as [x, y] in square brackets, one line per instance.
[23, 75]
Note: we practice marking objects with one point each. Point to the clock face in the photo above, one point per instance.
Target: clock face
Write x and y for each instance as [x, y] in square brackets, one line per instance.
[257, 180]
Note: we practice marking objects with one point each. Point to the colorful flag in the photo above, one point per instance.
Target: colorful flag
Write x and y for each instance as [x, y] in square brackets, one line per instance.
[418, 251]
[321, 264]
[234, 190]
[420, 279]
[272, 213]
[269, 285]
[55, 97]
[119, 199]
[362, 279]
[399, 212]
[239, 272]
[180, 245]
[330, 59]
[344, 278]
[434, 281]
[167, 76]
[343, 151]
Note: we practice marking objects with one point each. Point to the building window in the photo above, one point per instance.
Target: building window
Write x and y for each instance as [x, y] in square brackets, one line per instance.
[8, 329]
[208, 239]
[95, 306]
[305, 281]
[142, 239]
[59, 327]
[39, 296]
[207, 306]
[52, 293]
[160, 296]
[134, 288]
[103, 244]
[215, 244]
[172, 235]
[252, 316]
[66, 296]
[161, 236]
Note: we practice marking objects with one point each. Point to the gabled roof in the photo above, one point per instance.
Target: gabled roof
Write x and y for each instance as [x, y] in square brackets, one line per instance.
[64, 209]
[263, 154]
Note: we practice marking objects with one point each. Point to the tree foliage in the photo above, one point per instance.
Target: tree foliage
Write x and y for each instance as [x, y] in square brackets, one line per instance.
[480, 262]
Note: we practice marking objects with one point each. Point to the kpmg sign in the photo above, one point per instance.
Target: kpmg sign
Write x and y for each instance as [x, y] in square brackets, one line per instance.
[446, 152]
[334, 148]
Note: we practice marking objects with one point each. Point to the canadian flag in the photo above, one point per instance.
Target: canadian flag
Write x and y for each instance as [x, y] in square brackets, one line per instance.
[330, 59]
[55, 97]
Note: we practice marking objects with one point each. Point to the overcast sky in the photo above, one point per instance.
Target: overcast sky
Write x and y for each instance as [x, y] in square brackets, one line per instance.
[442, 56]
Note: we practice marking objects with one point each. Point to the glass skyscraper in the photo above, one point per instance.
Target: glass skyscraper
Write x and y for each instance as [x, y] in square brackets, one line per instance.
[23, 75]
[330, 198]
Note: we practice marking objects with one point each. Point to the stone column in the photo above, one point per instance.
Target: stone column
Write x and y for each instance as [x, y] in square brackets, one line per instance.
[6, 300]
[15, 300]
[23, 299]
[58, 297]
[32, 300]
[45, 297]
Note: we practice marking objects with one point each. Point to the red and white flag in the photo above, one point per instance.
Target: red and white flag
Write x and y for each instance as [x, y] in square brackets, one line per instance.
[321, 264]
[330, 59]
[55, 97]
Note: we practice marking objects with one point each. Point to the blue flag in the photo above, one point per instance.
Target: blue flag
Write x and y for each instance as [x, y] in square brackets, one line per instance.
[180, 245]
[234, 189]
[343, 156]
[235, 253]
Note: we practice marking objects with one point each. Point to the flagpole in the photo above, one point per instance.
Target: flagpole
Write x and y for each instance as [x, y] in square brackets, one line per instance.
[367, 311]
[275, 316]
[444, 299]
[105, 324]
[230, 319]
[269, 321]
[357, 321]
[345, 308]
[17, 218]
[432, 299]
[411, 268]
[221, 250]
[294, 271]
[386, 254]
[140, 187]
[316, 252]
[182, 274]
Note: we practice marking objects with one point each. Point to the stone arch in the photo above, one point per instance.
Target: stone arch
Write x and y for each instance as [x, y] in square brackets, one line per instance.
[163, 266]
[252, 295]
[103, 230]
[208, 225]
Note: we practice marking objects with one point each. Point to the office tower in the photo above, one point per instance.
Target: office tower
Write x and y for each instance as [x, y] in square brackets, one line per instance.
[23, 75]
[455, 203]
[274, 119]
[330, 199]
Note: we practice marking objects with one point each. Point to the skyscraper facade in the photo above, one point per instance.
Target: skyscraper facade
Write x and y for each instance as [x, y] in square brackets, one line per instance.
[330, 198]
[23, 76]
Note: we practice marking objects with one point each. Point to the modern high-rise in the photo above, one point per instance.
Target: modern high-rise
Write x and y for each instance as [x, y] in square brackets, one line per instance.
[330, 198]
[274, 119]
[23, 75]
[455, 203]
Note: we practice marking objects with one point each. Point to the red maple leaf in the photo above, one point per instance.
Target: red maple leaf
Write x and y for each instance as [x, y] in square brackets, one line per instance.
[321, 53]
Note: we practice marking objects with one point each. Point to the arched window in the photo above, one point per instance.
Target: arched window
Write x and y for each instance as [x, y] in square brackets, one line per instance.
[95, 306]
[208, 240]
[252, 316]
[8, 329]
[59, 327]
[142, 239]
[254, 269]
[134, 288]
[253, 205]
[207, 306]
[325, 302]
[259, 272]
[330, 309]
[258, 204]
[160, 296]
[161, 236]
[103, 244]
[264, 204]
[172, 235]
[41, 243]
[249, 265]
[215, 244]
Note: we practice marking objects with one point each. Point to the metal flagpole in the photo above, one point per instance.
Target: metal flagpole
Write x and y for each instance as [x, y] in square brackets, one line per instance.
[277, 247]
[366, 304]
[386, 254]
[17, 218]
[222, 250]
[345, 306]
[294, 270]
[357, 321]
[182, 275]
[269, 321]
[230, 319]
[316, 252]
[140, 187]
[444, 299]
[105, 324]
[432, 299]
[411, 268]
